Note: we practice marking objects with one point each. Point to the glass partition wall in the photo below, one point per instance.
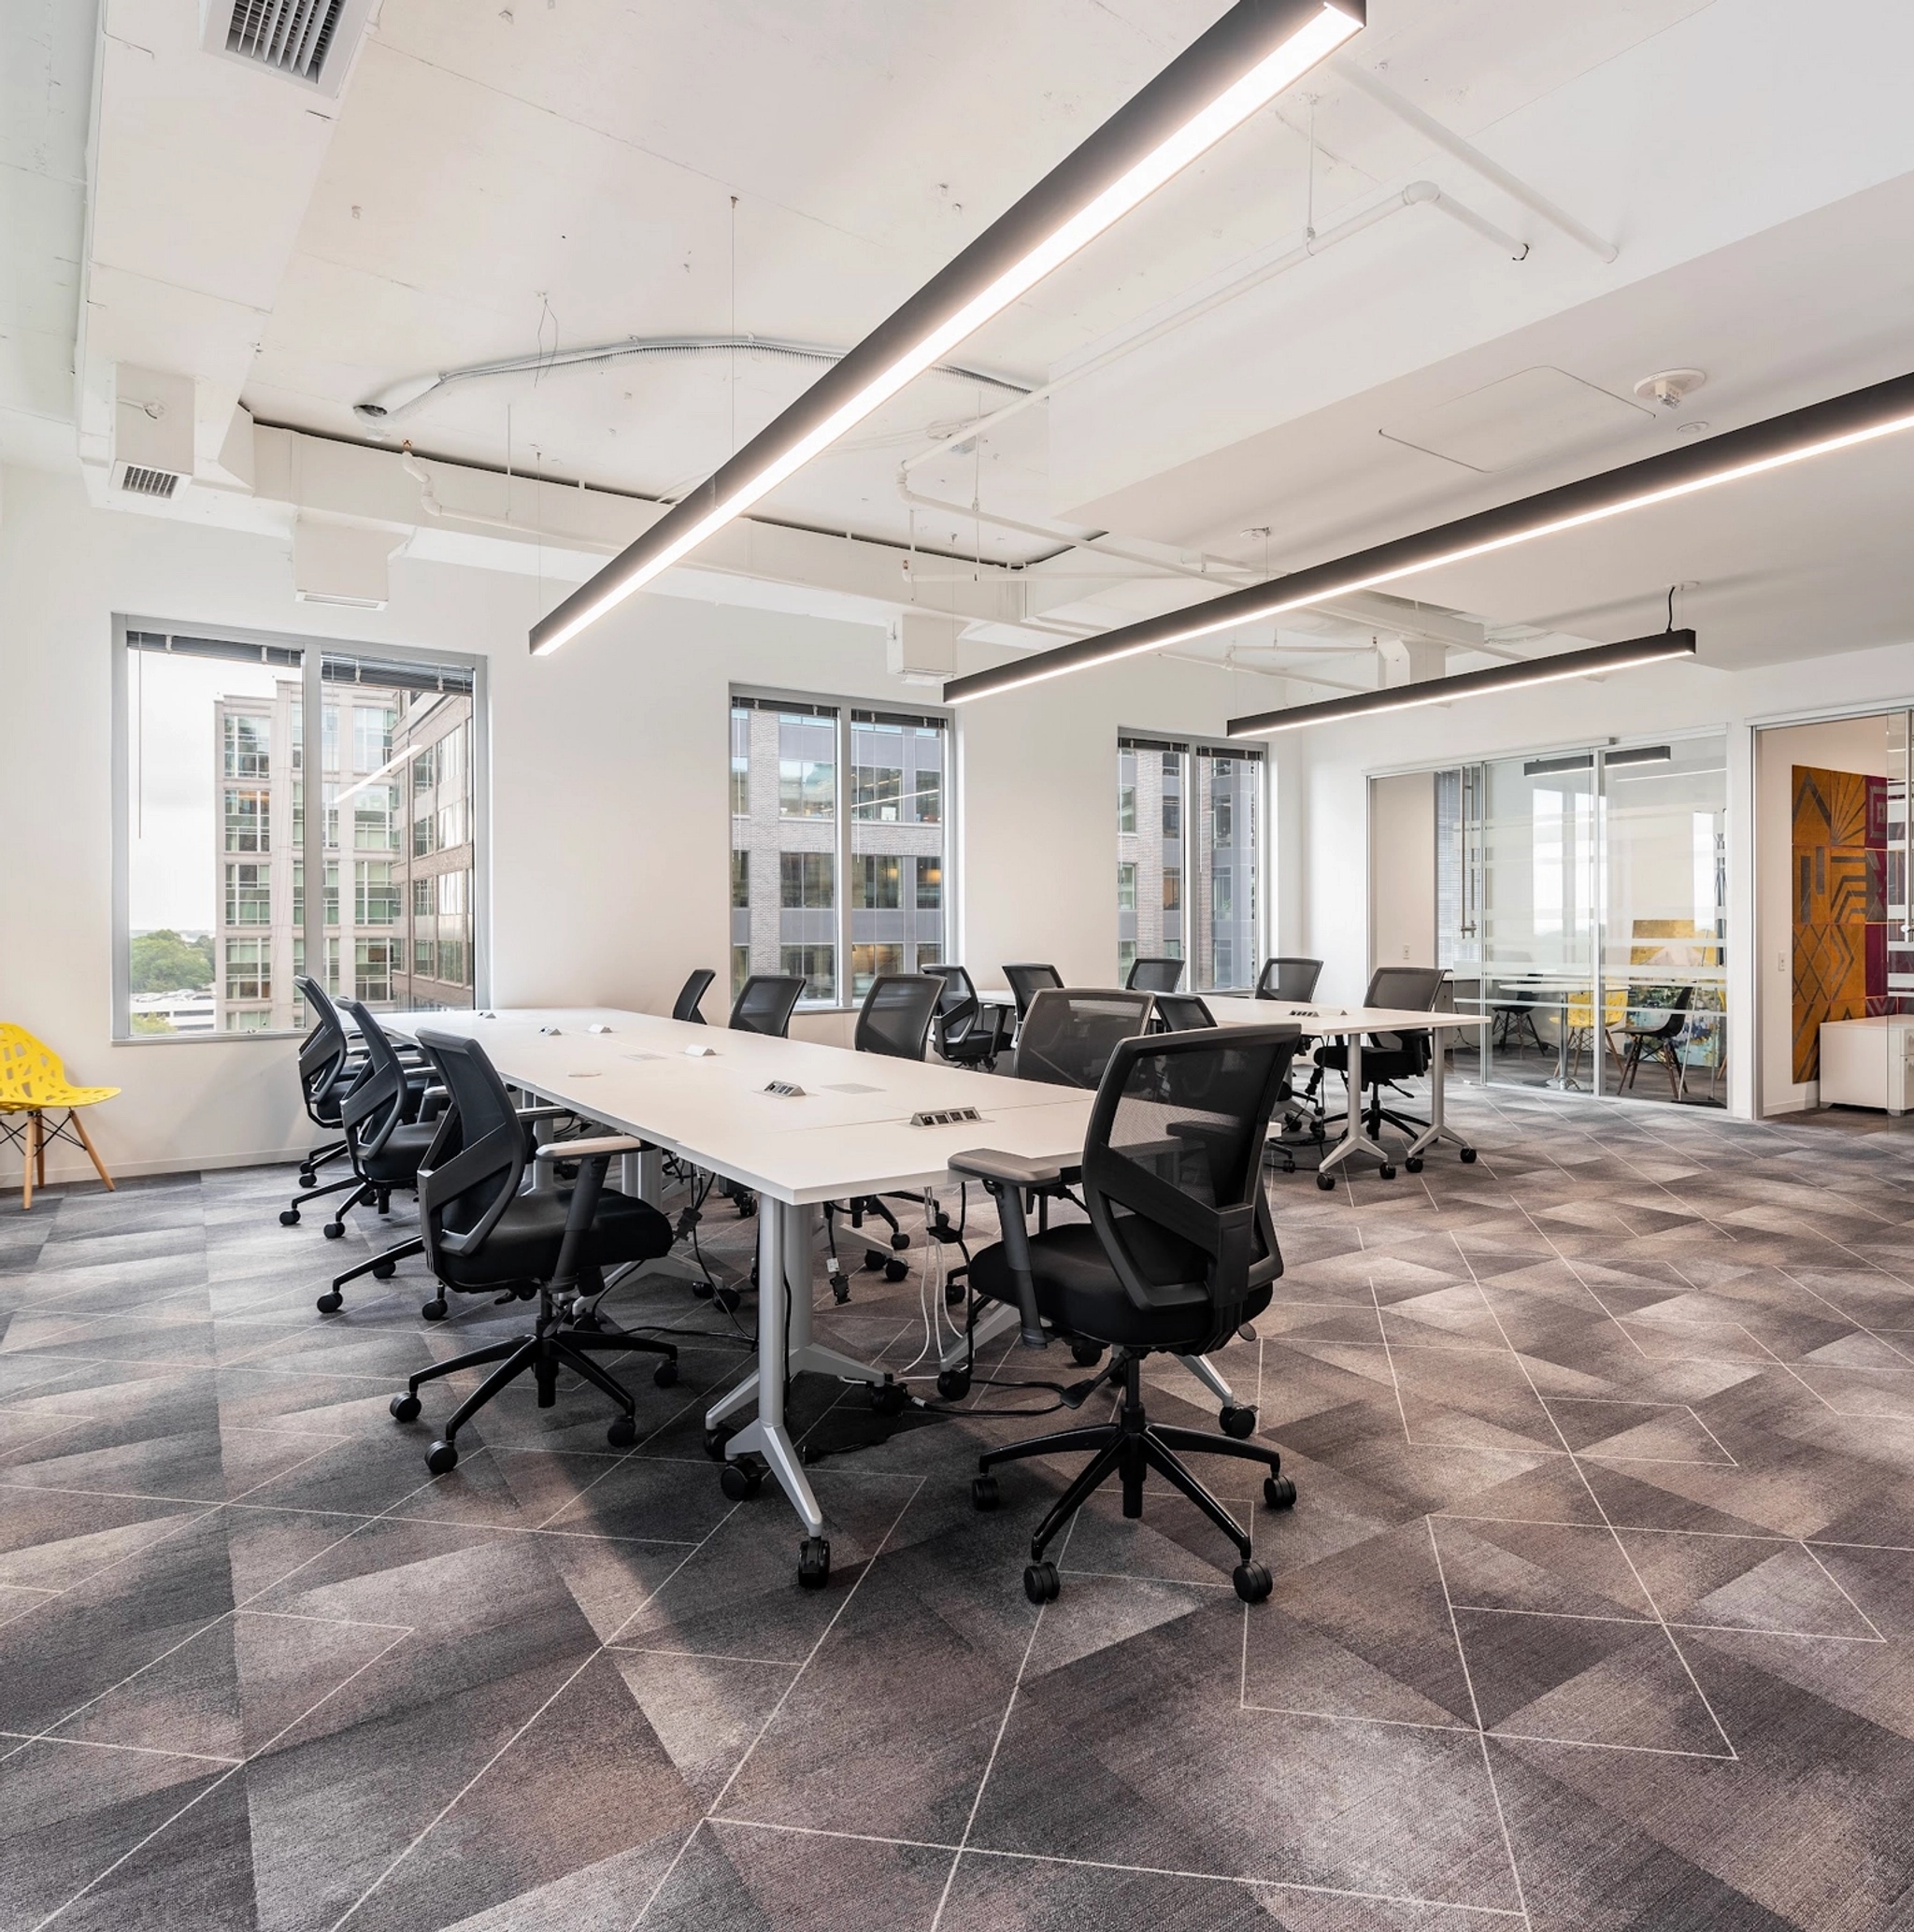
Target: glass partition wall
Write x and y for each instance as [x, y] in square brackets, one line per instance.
[1580, 902]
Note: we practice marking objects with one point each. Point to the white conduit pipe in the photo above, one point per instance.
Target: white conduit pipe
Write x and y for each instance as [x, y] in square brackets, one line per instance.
[1417, 194]
[1412, 116]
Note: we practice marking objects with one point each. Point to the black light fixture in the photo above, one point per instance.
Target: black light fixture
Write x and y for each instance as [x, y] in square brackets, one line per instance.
[1883, 409]
[1664, 644]
[1256, 50]
[1638, 754]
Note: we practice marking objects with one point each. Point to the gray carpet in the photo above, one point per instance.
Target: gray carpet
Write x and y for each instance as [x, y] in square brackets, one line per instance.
[1595, 1611]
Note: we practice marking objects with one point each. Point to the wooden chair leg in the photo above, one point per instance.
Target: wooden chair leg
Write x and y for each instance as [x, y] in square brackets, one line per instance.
[26, 1169]
[93, 1152]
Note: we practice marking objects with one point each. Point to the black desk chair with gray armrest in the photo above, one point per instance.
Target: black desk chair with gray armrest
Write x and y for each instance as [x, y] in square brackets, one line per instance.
[485, 1234]
[1178, 1251]
[1390, 1057]
[893, 1020]
[1154, 975]
[967, 1033]
[685, 1007]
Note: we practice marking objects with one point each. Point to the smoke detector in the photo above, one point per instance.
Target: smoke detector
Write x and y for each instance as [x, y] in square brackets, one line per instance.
[1671, 388]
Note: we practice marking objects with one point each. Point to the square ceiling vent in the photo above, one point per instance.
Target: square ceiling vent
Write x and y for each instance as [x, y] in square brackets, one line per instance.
[311, 42]
[1541, 412]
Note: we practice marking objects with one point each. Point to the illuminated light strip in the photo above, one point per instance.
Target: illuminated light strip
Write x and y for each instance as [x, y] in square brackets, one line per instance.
[1442, 691]
[1865, 415]
[1256, 50]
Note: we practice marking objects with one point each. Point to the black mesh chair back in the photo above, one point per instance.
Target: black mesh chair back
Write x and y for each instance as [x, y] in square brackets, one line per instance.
[895, 1017]
[1027, 982]
[1407, 990]
[325, 1055]
[1069, 1034]
[685, 1007]
[1173, 1166]
[476, 1167]
[1181, 1012]
[377, 1101]
[965, 1031]
[766, 1003]
[1156, 975]
[1294, 980]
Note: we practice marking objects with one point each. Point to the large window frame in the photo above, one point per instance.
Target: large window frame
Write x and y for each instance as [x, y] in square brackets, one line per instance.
[855, 805]
[311, 938]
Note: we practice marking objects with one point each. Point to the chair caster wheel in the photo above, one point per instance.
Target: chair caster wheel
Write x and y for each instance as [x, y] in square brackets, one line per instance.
[1279, 1492]
[404, 1409]
[814, 1562]
[441, 1458]
[714, 1440]
[1252, 1582]
[384, 1270]
[329, 1302]
[954, 1295]
[1041, 1584]
[622, 1432]
[740, 1482]
[306, 1176]
[1326, 1181]
[729, 1299]
[1086, 1354]
[983, 1491]
[895, 1270]
[666, 1375]
[1387, 1173]
[889, 1398]
[702, 1290]
[1238, 1420]
[1318, 1132]
[1468, 1156]
[900, 1241]
[289, 1217]
[334, 1230]
[873, 1261]
[433, 1311]
[587, 1322]
[953, 1384]
[1414, 1164]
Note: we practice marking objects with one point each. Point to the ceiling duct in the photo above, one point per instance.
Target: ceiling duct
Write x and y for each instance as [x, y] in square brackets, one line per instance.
[153, 432]
[309, 41]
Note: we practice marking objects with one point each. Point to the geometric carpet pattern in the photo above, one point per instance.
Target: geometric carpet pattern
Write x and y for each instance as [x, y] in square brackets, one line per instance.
[1596, 1610]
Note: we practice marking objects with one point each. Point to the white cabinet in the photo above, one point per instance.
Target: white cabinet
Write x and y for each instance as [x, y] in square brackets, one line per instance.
[1868, 1063]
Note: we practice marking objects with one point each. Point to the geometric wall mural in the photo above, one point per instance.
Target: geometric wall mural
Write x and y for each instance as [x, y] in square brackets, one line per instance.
[1840, 904]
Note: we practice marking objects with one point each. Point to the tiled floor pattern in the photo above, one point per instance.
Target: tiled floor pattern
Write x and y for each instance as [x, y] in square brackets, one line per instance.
[1595, 1612]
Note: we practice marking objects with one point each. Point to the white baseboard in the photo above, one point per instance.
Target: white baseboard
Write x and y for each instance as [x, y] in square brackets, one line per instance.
[61, 1173]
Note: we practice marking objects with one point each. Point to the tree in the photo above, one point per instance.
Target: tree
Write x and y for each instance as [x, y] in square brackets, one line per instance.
[162, 962]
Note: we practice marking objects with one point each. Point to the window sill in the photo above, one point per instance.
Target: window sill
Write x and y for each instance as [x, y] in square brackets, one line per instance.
[197, 1039]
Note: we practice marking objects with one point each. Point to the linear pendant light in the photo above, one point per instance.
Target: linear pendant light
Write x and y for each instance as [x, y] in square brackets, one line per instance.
[1442, 691]
[1860, 417]
[1258, 49]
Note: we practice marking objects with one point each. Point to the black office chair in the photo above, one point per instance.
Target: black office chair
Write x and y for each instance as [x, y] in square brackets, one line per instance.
[895, 1021]
[1389, 1058]
[1027, 982]
[328, 1065]
[1069, 1034]
[483, 1237]
[766, 1003]
[685, 1007]
[1292, 980]
[1178, 1251]
[1181, 1012]
[1154, 975]
[386, 1144]
[967, 1032]
[1657, 1041]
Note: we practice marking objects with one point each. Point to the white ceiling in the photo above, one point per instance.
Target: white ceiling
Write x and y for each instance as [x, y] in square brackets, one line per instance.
[507, 179]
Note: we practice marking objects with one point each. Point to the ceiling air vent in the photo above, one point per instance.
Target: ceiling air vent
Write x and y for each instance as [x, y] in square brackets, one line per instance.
[311, 41]
[147, 482]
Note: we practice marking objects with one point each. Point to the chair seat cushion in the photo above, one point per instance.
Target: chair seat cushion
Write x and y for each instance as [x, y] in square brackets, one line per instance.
[398, 1161]
[1078, 1292]
[1378, 1063]
[524, 1245]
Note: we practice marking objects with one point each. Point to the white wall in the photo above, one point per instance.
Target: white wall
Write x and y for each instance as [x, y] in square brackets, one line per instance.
[1323, 902]
[610, 807]
[1402, 870]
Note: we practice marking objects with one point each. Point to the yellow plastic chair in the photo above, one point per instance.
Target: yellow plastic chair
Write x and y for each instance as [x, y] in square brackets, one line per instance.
[1582, 1024]
[33, 1082]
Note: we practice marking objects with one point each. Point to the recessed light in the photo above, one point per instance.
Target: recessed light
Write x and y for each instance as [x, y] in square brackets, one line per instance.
[1691, 429]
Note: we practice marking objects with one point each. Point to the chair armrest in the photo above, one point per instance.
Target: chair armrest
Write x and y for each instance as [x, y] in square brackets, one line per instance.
[544, 1110]
[601, 1144]
[1012, 1169]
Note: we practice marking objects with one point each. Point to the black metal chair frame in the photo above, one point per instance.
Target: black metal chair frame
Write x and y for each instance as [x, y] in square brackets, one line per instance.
[1657, 1043]
[689, 995]
[963, 1021]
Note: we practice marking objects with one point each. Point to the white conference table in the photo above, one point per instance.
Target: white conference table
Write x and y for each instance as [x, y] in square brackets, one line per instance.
[848, 1134]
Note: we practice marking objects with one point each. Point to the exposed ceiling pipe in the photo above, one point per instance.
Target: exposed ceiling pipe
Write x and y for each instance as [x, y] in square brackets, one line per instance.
[404, 397]
[1472, 157]
[1417, 194]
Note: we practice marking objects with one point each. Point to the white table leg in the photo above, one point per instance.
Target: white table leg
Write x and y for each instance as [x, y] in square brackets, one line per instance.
[808, 1357]
[1355, 1138]
[1560, 1080]
[1437, 1130]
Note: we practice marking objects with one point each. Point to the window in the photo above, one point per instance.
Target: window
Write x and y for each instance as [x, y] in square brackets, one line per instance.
[740, 968]
[426, 958]
[249, 820]
[451, 828]
[865, 884]
[454, 963]
[423, 843]
[249, 896]
[1187, 858]
[453, 900]
[806, 882]
[223, 735]
[248, 743]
